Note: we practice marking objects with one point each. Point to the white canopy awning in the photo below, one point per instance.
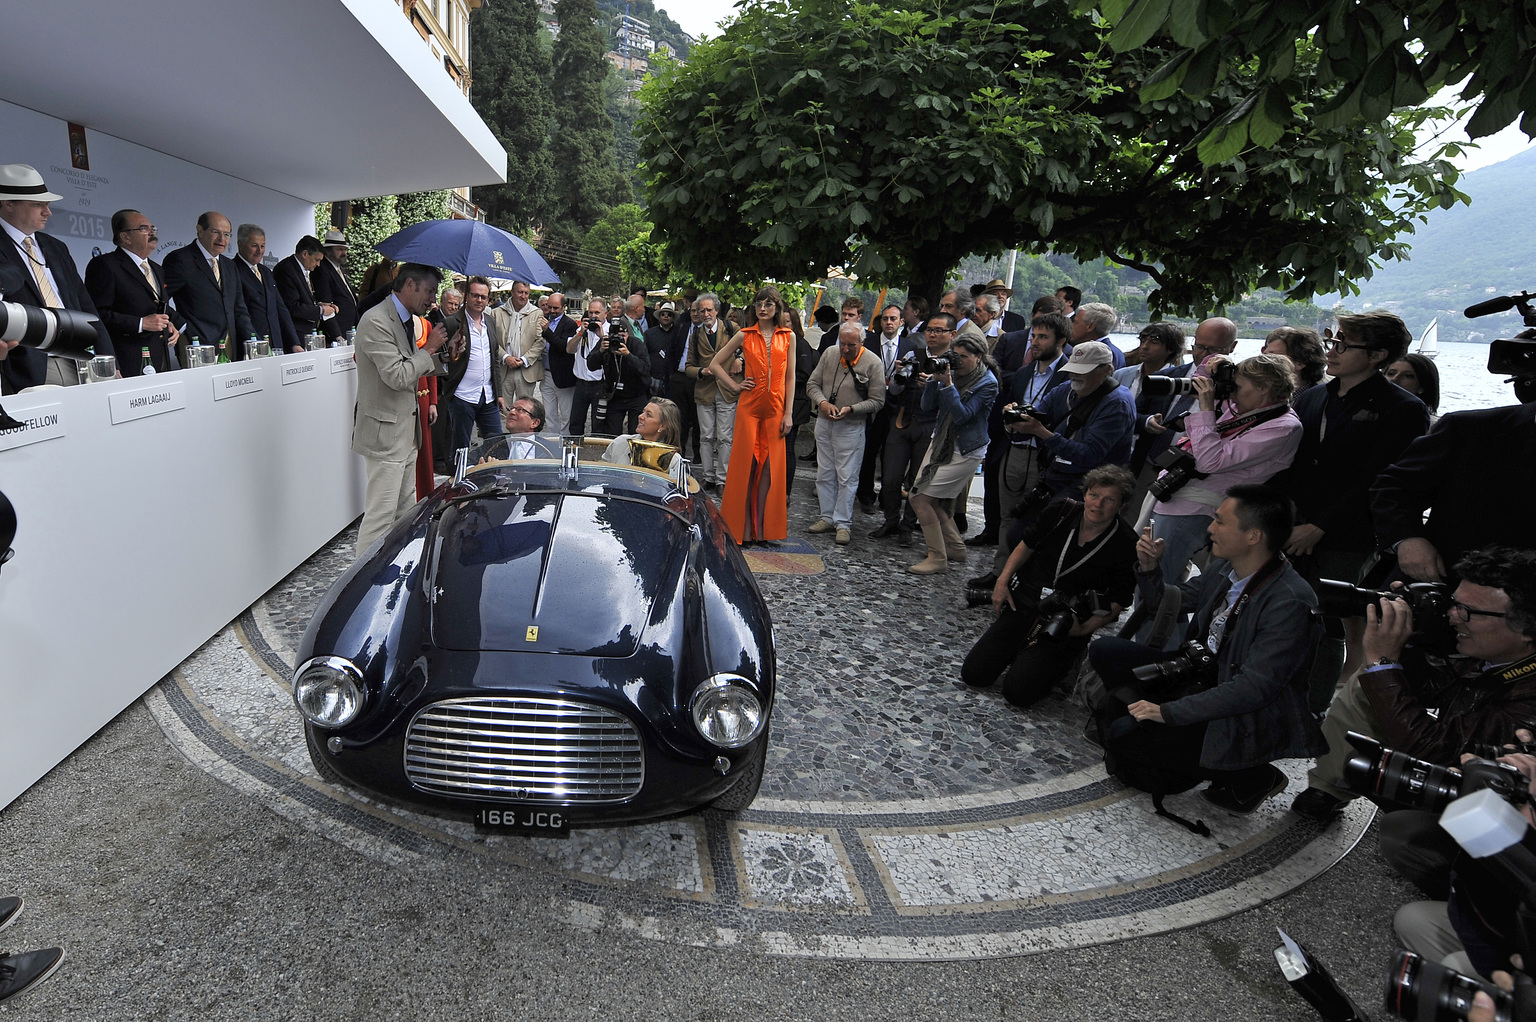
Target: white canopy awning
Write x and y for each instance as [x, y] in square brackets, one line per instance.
[321, 99]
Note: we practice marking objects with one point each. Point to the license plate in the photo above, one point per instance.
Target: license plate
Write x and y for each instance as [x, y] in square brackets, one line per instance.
[515, 820]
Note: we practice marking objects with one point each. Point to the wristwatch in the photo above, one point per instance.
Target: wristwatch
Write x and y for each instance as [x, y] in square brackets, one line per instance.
[1386, 661]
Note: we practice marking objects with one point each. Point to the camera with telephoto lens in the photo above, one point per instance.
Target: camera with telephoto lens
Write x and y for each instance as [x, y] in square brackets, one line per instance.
[1194, 665]
[1386, 775]
[1430, 603]
[1420, 989]
[61, 332]
[1012, 415]
[1223, 376]
[1059, 612]
[1178, 467]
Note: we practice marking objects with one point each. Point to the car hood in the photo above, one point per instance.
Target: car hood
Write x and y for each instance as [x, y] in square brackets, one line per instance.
[554, 572]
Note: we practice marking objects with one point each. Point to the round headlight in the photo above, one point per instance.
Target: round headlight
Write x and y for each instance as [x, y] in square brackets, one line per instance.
[727, 712]
[328, 691]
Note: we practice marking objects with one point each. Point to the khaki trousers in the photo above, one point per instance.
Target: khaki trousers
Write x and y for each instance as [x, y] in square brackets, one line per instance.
[391, 492]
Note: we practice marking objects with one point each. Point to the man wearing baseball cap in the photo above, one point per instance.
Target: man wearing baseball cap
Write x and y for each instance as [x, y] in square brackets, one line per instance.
[1091, 423]
[48, 273]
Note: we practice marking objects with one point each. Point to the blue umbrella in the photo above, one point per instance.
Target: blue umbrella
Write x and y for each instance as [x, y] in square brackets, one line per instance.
[471, 248]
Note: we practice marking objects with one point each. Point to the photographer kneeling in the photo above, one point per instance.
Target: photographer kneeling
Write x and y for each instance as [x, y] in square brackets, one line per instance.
[1082, 556]
[1235, 699]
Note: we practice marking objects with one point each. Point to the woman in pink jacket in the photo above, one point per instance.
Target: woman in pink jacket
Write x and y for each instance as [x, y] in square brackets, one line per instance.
[1250, 437]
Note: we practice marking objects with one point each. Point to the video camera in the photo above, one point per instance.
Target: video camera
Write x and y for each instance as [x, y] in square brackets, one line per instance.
[1223, 376]
[1516, 357]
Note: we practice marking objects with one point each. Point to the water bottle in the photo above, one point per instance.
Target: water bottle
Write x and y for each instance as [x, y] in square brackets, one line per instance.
[146, 367]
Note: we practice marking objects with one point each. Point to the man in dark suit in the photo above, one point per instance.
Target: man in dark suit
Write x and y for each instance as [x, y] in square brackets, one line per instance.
[269, 315]
[48, 271]
[203, 283]
[330, 283]
[559, 386]
[885, 341]
[129, 291]
[298, 294]
[1475, 472]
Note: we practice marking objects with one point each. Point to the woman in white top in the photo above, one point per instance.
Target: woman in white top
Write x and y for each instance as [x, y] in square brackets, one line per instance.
[661, 421]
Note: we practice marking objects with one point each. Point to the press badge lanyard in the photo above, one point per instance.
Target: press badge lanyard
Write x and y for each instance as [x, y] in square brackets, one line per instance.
[1071, 537]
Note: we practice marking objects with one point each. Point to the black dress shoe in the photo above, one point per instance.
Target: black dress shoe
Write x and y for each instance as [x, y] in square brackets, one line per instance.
[22, 971]
[903, 537]
[1317, 804]
[885, 531]
[982, 538]
[1223, 797]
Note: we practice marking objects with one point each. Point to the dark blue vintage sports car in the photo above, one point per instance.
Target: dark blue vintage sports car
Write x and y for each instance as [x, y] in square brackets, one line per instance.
[549, 638]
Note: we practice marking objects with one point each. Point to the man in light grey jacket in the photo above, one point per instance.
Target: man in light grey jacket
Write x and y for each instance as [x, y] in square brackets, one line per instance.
[385, 430]
[846, 388]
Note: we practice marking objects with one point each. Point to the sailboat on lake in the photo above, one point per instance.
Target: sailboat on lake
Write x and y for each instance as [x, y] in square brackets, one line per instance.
[1429, 340]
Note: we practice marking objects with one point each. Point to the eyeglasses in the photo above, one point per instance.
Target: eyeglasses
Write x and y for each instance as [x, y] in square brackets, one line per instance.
[520, 410]
[147, 229]
[767, 301]
[937, 330]
[1338, 345]
[1470, 612]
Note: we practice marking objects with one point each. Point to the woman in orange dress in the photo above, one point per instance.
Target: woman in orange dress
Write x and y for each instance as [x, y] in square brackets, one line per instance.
[754, 504]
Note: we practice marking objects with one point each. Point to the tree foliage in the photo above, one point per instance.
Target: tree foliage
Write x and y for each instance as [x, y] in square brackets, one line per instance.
[600, 269]
[372, 220]
[1372, 56]
[588, 183]
[512, 94]
[896, 139]
[418, 207]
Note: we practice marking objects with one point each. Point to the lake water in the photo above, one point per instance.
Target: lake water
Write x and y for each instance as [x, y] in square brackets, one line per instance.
[1465, 381]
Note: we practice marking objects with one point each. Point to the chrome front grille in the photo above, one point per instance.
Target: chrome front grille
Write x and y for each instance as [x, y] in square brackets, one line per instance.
[525, 750]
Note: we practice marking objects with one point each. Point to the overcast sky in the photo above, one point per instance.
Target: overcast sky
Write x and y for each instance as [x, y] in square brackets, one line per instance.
[702, 17]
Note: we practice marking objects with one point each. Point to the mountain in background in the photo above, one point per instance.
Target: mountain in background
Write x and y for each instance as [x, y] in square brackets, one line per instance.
[1462, 256]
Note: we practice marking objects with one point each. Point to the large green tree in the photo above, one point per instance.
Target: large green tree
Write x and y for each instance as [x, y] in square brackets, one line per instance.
[896, 139]
[1374, 55]
[512, 93]
[589, 182]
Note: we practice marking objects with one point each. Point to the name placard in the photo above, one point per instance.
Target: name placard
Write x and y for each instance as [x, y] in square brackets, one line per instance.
[344, 363]
[298, 372]
[139, 404]
[226, 385]
[45, 422]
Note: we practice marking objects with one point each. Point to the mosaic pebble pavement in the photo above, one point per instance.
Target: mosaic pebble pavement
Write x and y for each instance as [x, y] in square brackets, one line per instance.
[901, 816]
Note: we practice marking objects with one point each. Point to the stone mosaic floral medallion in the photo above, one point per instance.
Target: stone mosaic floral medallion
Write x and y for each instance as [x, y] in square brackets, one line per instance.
[902, 815]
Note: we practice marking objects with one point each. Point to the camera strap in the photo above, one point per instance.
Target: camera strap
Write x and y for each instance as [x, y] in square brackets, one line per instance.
[1243, 423]
[1079, 415]
[1109, 534]
[1270, 569]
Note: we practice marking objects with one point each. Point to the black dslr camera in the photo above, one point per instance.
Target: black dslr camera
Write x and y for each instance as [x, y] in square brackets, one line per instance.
[1387, 775]
[1011, 415]
[1192, 667]
[935, 365]
[1178, 467]
[1223, 376]
[1060, 611]
[1033, 501]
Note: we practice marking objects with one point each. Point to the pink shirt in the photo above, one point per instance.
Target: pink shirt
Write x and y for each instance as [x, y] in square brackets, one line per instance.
[1252, 456]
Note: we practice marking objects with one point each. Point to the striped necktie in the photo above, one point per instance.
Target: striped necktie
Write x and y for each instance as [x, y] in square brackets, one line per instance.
[40, 274]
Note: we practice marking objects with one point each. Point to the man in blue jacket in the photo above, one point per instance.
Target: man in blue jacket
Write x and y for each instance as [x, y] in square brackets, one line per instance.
[1253, 611]
[1092, 421]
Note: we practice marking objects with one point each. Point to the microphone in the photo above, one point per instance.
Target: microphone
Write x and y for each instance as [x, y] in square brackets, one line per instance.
[1489, 307]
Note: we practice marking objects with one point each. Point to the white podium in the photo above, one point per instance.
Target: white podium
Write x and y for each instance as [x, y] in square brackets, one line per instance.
[151, 512]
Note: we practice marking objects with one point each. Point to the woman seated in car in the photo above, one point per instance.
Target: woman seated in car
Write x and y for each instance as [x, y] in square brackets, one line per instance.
[661, 422]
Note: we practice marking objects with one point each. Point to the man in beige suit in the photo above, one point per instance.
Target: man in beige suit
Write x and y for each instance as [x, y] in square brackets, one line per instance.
[522, 338]
[385, 430]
